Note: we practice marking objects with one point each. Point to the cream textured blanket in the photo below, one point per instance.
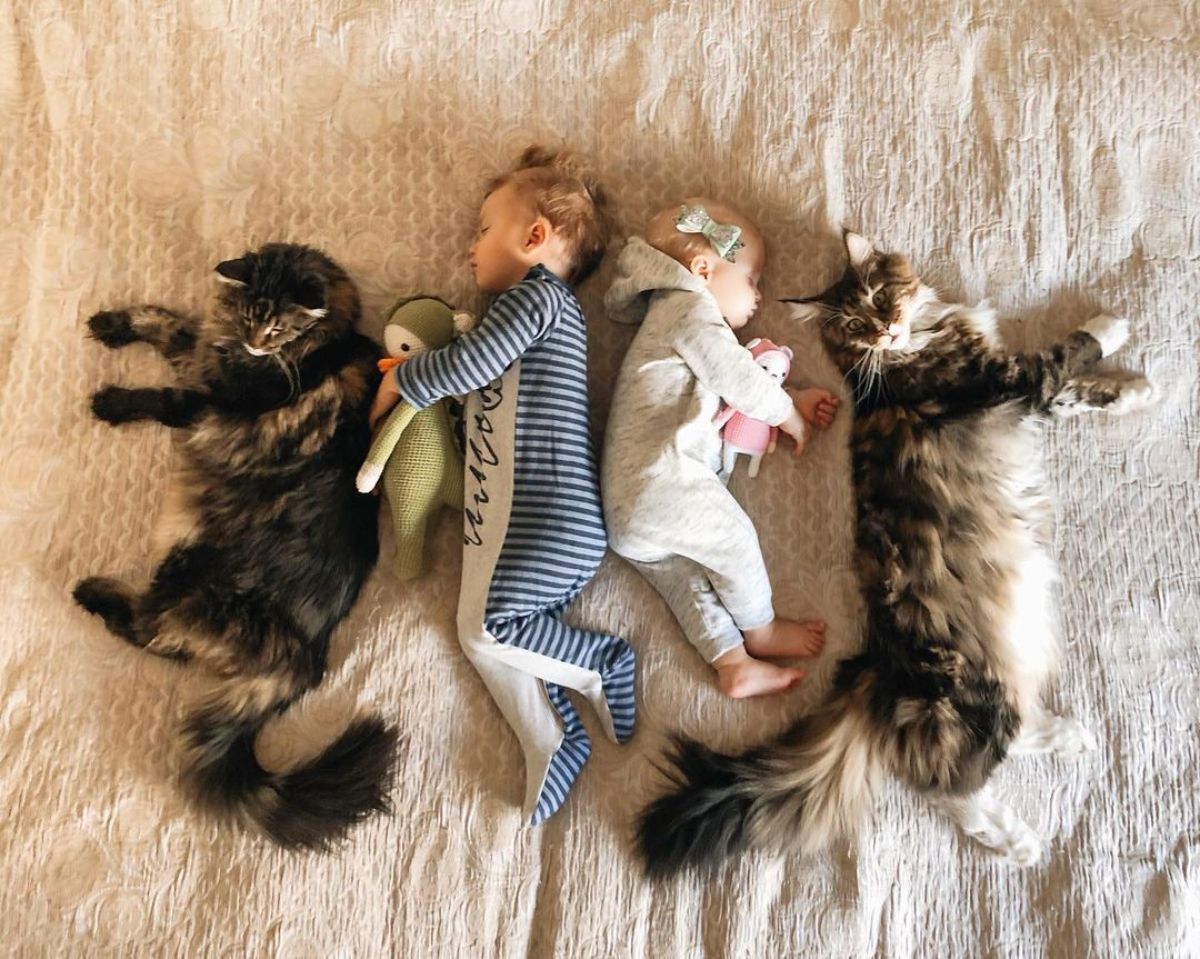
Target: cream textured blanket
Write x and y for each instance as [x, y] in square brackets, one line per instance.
[1044, 154]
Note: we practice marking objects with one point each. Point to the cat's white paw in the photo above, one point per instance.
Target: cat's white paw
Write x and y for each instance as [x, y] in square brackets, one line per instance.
[1022, 846]
[1109, 331]
[368, 476]
[1136, 394]
[1070, 738]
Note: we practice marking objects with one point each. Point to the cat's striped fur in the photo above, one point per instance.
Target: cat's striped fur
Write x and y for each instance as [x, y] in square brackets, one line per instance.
[266, 542]
[953, 561]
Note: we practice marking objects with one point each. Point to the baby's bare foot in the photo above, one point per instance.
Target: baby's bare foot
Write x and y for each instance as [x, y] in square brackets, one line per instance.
[751, 677]
[786, 639]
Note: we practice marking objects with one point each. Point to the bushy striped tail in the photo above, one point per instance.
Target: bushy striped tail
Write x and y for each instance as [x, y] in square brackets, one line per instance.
[311, 807]
[808, 786]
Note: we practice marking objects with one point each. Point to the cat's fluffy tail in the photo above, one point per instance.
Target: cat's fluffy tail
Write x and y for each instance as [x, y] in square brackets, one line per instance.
[800, 791]
[310, 807]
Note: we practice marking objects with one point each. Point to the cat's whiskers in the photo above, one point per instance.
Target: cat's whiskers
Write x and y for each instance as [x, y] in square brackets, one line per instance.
[290, 372]
[855, 374]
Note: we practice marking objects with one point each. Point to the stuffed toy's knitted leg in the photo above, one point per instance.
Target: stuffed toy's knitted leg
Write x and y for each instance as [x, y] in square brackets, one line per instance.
[452, 479]
[601, 667]
[412, 505]
[423, 473]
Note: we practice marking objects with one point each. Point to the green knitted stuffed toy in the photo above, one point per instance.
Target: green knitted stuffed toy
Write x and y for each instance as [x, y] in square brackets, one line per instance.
[414, 450]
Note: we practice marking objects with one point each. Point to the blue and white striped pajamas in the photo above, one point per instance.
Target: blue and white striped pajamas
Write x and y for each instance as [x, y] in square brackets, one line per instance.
[555, 537]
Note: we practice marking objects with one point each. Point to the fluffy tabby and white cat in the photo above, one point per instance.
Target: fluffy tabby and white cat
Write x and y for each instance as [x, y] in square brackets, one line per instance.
[267, 543]
[951, 550]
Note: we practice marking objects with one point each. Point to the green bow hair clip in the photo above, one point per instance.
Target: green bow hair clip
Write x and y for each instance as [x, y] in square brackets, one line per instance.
[725, 238]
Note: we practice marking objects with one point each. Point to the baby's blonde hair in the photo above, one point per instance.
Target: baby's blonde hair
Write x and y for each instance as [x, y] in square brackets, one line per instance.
[685, 247]
[562, 190]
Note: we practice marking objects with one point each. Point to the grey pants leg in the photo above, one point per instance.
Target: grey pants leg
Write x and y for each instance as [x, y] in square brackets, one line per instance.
[686, 588]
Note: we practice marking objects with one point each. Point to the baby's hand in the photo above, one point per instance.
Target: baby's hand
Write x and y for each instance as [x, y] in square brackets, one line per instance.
[818, 407]
[386, 397]
[798, 429]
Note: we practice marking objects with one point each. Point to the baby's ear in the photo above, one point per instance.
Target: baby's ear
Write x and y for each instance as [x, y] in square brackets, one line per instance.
[463, 323]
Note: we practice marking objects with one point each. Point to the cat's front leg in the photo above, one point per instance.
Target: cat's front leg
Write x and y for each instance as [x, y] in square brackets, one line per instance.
[170, 406]
[1109, 331]
[173, 335]
[1043, 376]
[1100, 393]
[1064, 391]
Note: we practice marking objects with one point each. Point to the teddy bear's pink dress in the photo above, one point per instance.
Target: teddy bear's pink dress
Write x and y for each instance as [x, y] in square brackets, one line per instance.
[741, 433]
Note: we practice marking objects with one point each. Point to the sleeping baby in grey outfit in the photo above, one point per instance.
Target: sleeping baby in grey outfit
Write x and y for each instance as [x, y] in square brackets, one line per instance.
[691, 283]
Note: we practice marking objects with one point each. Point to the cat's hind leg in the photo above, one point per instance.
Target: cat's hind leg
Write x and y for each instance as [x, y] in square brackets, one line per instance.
[173, 335]
[993, 824]
[1103, 393]
[120, 608]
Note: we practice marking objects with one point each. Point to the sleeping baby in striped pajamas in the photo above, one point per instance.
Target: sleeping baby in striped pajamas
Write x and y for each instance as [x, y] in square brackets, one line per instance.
[534, 532]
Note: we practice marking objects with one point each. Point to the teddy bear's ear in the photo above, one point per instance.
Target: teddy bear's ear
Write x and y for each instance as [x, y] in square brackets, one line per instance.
[463, 323]
[754, 342]
[788, 352]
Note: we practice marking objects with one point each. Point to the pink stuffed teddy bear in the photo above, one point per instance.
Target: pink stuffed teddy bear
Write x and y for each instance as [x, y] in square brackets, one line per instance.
[743, 434]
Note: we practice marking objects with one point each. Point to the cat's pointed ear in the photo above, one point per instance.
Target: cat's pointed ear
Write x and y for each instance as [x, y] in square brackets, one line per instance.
[858, 248]
[234, 272]
[805, 308]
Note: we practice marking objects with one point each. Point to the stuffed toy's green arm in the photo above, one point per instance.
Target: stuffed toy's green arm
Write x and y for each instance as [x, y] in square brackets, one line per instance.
[383, 444]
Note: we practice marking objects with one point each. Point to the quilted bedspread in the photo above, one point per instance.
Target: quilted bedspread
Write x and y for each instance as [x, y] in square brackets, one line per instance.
[1044, 155]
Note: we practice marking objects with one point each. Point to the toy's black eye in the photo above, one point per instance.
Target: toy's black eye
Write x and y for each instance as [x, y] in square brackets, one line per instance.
[880, 299]
[856, 326]
[403, 347]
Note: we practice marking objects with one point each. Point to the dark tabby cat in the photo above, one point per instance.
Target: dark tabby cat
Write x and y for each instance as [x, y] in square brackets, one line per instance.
[267, 542]
[955, 575]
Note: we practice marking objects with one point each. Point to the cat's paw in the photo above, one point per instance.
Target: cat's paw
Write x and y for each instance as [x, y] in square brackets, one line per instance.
[1109, 331]
[1134, 394]
[1022, 847]
[114, 404]
[1117, 394]
[1069, 738]
[113, 328]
